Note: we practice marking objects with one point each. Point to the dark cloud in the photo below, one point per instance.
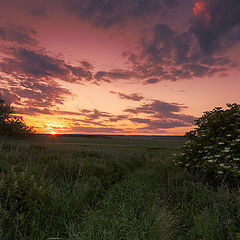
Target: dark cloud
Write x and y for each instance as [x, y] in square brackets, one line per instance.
[18, 34]
[30, 92]
[29, 74]
[32, 111]
[8, 96]
[86, 65]
[156, 107]
[151, 80]
[163, 110]
[169, 55]
[160, 115]
[116, 74]
[117, 118]
[188, 119]
[96, 114]
[35, 64]
[195, 69]
[23, 56]
[92, 117]
[78, 73]
[107, 13]
[159, 124]
[99, 117]
[134, 96]
[31, 63]
[216, 24]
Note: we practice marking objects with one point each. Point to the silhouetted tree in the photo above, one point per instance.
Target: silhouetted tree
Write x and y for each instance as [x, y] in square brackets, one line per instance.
[11, 126]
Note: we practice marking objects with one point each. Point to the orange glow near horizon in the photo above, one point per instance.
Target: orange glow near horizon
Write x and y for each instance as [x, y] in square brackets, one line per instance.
[42, 126]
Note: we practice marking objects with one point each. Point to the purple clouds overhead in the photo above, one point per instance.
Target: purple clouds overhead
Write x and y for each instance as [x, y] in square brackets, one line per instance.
[216, 24]
[108, 13]
[170, 55]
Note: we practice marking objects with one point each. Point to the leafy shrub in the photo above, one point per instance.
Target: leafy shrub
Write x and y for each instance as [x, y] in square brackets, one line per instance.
[27, 206]
[213, 148]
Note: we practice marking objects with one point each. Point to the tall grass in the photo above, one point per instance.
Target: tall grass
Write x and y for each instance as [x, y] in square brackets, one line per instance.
[53, 192]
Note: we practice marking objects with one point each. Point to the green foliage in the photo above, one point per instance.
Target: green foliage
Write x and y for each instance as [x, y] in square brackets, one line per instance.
[213, 148]
[132, 209]
[27, 206]
[12, 126]
[44, 190]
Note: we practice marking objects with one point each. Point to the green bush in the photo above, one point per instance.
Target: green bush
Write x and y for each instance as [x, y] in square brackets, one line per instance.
[213, 148]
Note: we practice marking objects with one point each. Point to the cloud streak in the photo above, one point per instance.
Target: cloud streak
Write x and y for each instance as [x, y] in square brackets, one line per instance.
[134, 96]
[114, 75]
[160, 115]
[18, 34]
[34, 64]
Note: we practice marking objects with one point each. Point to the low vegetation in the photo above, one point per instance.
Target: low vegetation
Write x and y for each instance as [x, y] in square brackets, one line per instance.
[65, 191]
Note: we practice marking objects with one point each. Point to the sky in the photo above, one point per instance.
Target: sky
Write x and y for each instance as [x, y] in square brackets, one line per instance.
[140, 67]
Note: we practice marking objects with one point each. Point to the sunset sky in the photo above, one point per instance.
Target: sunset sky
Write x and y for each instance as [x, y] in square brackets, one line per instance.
[118, 66]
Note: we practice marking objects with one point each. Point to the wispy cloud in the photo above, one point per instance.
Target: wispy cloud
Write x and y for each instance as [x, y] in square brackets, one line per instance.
[160, 115]
[115, 74]
[37, 64]
[30, 74]
[18, 34]
[134, 96]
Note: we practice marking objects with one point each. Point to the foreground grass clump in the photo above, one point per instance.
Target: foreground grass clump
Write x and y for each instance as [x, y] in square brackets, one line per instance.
[43, 190]
[161, 202]
[213, 148]
[27, 205]
[52, 192]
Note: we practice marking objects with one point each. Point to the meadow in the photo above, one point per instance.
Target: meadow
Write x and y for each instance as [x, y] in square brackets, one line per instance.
[100, 188]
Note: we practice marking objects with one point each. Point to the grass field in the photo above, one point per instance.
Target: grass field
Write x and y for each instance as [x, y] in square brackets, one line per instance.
[124, 143]
[108, 188]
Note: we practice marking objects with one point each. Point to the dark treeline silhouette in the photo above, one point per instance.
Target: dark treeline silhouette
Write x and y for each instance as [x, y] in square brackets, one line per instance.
[11, 126]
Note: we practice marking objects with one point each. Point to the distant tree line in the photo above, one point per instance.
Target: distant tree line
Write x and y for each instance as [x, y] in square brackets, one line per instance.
[11, 126]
